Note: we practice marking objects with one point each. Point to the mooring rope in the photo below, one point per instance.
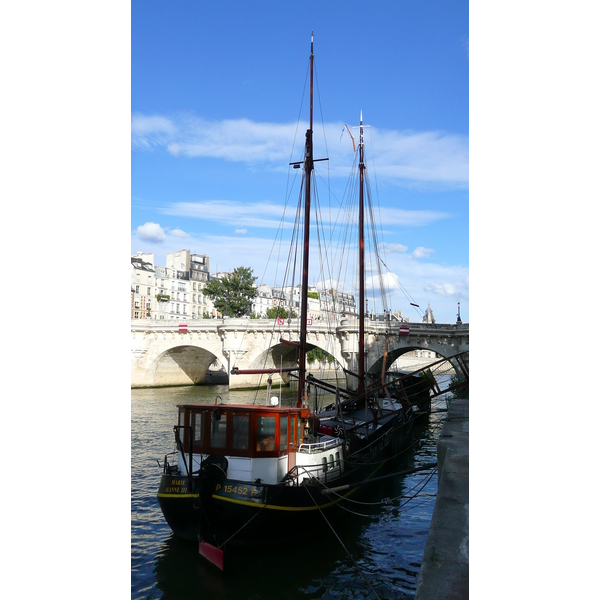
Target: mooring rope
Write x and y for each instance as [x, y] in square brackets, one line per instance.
[334, 492]
[343, 545]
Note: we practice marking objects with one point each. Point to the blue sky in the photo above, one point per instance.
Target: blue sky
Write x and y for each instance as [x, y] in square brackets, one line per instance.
[216, 91]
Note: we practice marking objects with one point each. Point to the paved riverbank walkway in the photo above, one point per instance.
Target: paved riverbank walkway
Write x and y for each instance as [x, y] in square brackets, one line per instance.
[445, 566]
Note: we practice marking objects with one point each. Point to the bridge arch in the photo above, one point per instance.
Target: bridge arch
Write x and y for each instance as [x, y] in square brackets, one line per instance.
[376, 364]
[181, 365]
[278, 355]
[163, 355]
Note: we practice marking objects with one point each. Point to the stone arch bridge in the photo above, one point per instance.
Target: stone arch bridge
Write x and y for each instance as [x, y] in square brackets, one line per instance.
[171, 353]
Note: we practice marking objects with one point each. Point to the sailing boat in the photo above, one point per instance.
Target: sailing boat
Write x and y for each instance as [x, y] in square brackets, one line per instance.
[245, 474]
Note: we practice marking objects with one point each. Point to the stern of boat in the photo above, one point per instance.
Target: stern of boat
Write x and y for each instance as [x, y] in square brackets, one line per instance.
[179, 503]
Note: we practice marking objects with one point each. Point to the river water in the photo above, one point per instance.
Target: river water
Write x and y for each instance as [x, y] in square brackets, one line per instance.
[377, 554]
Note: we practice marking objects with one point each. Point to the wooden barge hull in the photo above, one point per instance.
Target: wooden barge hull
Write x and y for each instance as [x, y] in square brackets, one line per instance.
[238, 513]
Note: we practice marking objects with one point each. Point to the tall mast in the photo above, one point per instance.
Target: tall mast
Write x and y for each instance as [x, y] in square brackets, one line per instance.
[361, 277]
[308, 168]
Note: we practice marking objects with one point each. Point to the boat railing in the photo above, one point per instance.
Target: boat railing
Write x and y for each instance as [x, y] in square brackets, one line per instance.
[366, 452]
[178, 429]
[299, 473]
[169, 467]
[326, 443]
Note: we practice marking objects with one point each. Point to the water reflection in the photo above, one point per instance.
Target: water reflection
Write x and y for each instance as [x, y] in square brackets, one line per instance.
[311, 569]
[380, 542]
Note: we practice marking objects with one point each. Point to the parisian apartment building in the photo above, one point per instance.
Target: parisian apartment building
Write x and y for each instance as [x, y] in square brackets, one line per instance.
[174, 291]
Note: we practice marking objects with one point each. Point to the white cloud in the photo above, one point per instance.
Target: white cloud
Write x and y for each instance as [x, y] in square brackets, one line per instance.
[149, 131]
[259, 214]
[395, 247]
[432, 157]
[241, 231]
[412, 218]
[151, 232]
[442, 289]
[179, 233]
[387, 281]
[229, 212]
[235, 140]
[422, 252]
[429, 156]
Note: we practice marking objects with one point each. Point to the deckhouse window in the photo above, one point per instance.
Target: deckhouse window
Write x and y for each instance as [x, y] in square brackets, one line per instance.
[198, 428]
[283, 427]
[181, 424]
[240, 434]
[218, 430]
[265, 434]
[293, 441]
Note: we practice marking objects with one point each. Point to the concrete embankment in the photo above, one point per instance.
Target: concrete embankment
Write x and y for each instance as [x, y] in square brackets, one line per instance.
[445, 565]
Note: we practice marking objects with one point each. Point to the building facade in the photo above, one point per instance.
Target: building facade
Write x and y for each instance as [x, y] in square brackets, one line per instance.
[263, 300]
[201, 305]
[334, 303]
[142, 286]
[174, 291]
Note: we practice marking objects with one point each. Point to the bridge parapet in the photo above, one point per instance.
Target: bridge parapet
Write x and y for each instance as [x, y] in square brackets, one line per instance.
[180, 352]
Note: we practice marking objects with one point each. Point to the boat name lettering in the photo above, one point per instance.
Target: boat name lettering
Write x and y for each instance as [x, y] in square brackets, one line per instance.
[176, 486]
[234, 489]
[238, 490]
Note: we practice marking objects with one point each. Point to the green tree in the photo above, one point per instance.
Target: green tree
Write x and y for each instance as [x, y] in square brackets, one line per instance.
[279, 312]
[462, 391]
[318, 354]
[232, 295]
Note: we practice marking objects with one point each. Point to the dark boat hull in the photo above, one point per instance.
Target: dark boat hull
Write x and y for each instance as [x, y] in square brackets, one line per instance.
[225, 511]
